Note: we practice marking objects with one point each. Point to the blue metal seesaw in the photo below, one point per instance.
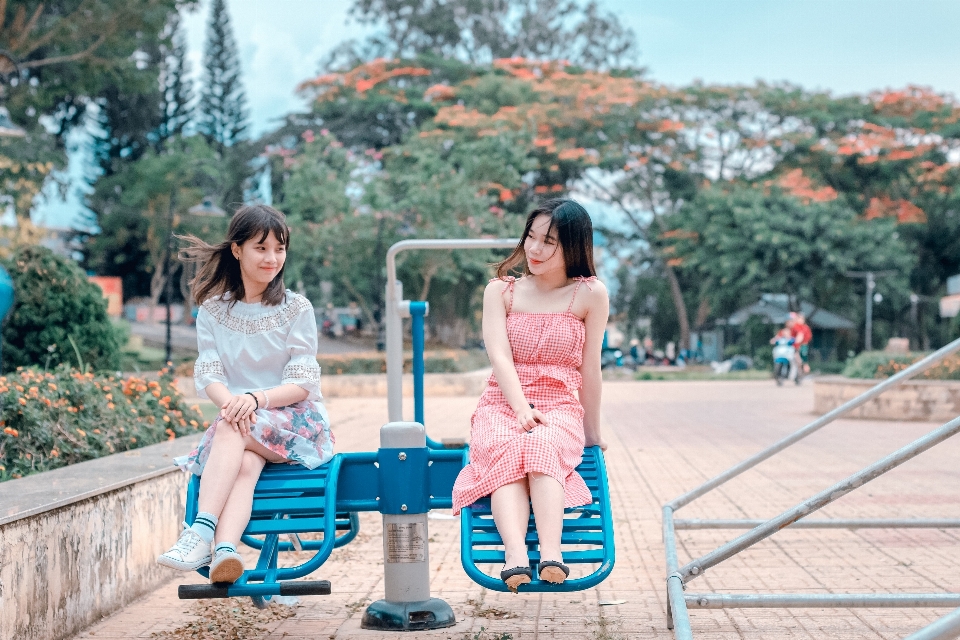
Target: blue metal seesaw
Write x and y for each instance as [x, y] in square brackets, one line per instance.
[409, 475]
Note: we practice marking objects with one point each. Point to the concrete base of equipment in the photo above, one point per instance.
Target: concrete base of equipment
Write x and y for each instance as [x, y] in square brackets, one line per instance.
[408, 616]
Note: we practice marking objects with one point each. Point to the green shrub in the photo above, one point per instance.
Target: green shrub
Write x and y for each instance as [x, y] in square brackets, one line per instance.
[58, 316]
[878, 364]
[52, 419]
[829, 366]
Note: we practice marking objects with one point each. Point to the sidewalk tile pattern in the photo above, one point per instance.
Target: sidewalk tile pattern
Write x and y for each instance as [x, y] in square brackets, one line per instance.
[665, 438]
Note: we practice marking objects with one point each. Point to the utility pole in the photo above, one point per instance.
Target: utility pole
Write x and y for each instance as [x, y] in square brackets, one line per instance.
[167, 264]
[871, 279]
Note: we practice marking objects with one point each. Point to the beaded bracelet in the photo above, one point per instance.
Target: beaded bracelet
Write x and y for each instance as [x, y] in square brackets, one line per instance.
[249, 393]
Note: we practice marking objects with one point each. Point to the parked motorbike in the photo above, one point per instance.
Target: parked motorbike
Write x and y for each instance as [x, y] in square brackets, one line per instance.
[611, 358]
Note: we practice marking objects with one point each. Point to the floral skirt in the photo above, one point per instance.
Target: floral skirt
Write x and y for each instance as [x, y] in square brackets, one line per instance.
[299, 433]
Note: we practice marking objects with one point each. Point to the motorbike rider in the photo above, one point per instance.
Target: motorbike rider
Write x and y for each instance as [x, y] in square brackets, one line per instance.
[785, 333]
[786, 336]
[802, 336]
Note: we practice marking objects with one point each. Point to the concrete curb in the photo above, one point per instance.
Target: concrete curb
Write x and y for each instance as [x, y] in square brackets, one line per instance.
[921, 400]
[374, 385]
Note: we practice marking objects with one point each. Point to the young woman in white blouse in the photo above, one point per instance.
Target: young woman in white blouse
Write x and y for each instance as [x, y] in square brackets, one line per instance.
[258, 348]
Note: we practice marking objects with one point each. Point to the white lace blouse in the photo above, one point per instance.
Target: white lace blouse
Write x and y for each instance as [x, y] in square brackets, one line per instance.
[250, 347]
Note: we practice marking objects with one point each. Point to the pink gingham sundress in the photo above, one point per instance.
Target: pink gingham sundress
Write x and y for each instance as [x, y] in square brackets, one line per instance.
[547, 353]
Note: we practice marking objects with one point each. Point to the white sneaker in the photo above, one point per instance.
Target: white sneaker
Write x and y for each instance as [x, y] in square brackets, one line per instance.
[190, 553]
[227, 566]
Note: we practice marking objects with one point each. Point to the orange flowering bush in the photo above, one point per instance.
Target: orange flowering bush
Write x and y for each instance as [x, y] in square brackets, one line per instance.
[52, 419]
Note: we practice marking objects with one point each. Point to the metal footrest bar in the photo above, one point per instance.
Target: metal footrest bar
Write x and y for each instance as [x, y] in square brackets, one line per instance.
[697, 567]
[818, 600]
[946, 628]
[292, 588]
[678, 619]
[845, 523]
[893, 381]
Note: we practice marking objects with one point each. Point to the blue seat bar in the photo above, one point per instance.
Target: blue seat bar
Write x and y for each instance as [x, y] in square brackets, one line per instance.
[590, 526]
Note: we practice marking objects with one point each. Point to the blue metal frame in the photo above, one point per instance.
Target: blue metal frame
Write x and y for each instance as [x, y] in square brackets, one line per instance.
[290, 499]
[294, 492]
[481, 544]
[418, 309]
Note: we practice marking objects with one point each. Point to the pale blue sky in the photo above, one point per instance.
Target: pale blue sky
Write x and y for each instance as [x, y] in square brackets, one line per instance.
[843, 46]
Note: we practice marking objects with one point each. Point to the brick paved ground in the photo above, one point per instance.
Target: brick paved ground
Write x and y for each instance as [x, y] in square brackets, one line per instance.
[665, 438]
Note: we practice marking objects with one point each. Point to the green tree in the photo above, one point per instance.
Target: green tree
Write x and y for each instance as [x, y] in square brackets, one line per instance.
[887, 155]
[177, 86]
[69, 51]
[72, 55]
[479, 31]
[59, 316]
[133, 208]
[223, 117]
[222, 111]
[346, 210]
[740, 242]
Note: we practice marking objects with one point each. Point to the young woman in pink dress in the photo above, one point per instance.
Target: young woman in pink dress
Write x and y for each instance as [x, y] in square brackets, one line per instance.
[543, 333]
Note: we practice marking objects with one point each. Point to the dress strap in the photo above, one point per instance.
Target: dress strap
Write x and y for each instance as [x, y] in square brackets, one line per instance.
[580, 280]
[508, 281]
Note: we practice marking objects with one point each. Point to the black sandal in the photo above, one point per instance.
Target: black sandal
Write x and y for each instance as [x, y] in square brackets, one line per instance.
[551, 564]
[515, 577]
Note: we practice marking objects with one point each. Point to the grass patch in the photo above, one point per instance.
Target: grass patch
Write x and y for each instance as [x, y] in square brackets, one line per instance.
[138, 357]
[701, 374]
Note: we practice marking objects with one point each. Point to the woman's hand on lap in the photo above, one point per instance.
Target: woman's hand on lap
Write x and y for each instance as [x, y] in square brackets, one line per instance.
[244, 425]
[240, 407]
[530, 418]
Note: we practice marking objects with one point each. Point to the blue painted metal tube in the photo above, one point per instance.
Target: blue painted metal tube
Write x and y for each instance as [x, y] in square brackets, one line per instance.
[574, 584]
[417, 311]
[946, 628]
[272, 574]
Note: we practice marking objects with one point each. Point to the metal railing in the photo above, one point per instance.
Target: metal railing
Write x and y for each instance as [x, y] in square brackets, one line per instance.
[679, 603]
[398, 308]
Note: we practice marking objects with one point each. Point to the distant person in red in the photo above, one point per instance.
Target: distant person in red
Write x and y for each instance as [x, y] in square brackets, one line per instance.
[802, 337]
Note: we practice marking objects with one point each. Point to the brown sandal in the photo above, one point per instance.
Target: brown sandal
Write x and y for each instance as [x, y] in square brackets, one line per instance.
[555, 572]
[515, 577]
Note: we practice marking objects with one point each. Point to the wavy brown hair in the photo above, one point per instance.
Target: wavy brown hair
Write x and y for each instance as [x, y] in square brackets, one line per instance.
[218, 272]
[574, 233]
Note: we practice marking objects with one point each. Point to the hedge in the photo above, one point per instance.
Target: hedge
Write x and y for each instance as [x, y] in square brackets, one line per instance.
[879, 364]
[58, 317]
[52, 419]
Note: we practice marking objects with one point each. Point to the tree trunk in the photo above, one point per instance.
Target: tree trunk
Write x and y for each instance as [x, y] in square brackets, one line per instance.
[427, 279]
[680, 306]
[360, 301]
[188, 271]
[703, 313]
[157, 283]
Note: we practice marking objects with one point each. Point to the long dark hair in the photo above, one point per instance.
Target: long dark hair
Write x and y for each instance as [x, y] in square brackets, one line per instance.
[219, 270]
[574, 232]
